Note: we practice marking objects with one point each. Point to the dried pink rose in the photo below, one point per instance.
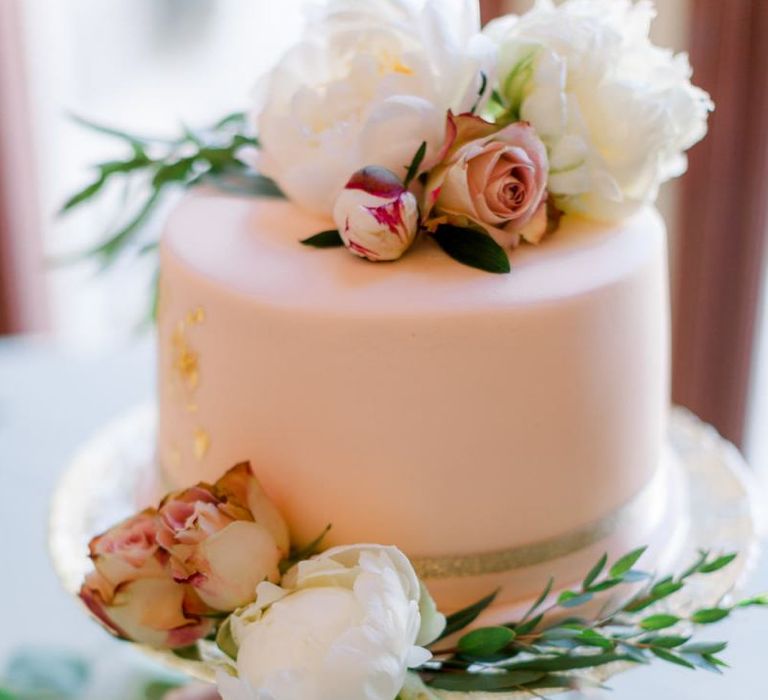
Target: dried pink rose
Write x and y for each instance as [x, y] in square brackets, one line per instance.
[132, 590]
[376, 215]
[492, 178]
[224, 539]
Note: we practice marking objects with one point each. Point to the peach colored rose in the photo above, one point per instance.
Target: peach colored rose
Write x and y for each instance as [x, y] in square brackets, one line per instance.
[132, 591]
[492, 178]
[224, 539]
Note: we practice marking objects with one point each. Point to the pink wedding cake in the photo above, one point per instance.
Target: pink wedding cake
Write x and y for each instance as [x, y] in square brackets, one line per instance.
[418, 403]
[421, 402]
[413, 353]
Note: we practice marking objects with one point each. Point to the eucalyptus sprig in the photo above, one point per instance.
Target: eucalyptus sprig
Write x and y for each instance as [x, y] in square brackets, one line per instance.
[539, 650]
[153, 166]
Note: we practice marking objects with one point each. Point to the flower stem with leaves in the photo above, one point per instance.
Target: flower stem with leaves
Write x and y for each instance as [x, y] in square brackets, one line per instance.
[540, 651]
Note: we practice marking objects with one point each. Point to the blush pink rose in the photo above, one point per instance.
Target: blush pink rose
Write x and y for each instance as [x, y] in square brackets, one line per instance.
[224, 539]
[492, 178]
[132, 590]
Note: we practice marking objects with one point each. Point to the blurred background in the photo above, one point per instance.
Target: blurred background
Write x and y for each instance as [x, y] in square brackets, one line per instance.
[72, 333]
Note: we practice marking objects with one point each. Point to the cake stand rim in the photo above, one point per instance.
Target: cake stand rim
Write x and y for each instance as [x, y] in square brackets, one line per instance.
[63, 549]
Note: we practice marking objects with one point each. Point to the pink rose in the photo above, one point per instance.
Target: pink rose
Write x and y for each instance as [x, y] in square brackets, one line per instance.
[194, 692]
[376, 215]
[492, 178]
[224, 539]
[132, 591]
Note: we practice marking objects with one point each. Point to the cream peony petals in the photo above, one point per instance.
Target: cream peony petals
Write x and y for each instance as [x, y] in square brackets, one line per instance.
[345, 625]
[368, 83]
[615, 112]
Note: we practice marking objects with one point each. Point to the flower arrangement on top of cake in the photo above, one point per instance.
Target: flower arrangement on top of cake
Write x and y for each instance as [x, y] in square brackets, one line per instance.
[401, 119]
[567, 108]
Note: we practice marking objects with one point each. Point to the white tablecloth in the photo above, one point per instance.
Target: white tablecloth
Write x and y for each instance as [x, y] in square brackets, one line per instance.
[50, 401]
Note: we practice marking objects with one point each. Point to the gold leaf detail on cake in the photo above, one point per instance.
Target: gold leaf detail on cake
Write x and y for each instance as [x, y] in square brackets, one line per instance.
[201, 443]
[196, 316]
[185, 359]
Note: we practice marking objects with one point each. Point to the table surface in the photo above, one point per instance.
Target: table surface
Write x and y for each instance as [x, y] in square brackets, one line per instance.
[52, 400]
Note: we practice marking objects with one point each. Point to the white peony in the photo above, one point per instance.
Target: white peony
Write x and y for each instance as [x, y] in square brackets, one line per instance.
[615, 111]
[345, 625]
[369, 82]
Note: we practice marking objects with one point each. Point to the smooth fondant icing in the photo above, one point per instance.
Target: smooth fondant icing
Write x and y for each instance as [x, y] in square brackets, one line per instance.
[425, 404]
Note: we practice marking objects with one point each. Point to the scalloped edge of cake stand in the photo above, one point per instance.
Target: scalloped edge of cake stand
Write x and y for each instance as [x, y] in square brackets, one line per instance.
[115, 470]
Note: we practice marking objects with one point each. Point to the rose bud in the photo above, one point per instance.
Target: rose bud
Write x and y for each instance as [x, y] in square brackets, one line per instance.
[132, 591]
[490, 177]
[377, 217]
[224, 539]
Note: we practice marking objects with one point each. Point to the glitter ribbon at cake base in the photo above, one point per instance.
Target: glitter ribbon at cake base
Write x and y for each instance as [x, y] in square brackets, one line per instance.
[647, 507]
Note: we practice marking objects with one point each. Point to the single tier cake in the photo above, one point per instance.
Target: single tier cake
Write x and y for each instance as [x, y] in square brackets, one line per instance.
[420, 403]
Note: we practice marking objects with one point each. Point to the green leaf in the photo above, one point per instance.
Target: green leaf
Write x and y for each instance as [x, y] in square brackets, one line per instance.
[230, 119]
[488, 682]
[694, 568]
[594, 572]
[637, 655]
[595, 639]
[717, 564]
[659, 622]
[718, 662]
[672, 658]
[528, 626]
[412, 170]
[235, 180]
[664, 589]
[173, 172]
[306, 552]
[664, 642]
[108, 250]
[480, 92]
[225, 640]
[569, 599]
[704, 647]
[605, 585]
[190, 653]
[702, 662]
[539, 601]
[707, 616]
[623, 565]
[757, 601]
[566, 663]
[485, 641]
[473, 248]
[635, 576]
[460, 619]
[157, 690]
[6, 695]
[83, 195]
[324, 239]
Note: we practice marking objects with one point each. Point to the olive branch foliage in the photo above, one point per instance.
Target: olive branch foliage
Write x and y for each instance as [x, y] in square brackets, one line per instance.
[543, 648]
[153, 167]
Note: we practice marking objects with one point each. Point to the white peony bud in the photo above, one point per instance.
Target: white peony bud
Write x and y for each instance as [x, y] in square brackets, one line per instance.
[377, 217]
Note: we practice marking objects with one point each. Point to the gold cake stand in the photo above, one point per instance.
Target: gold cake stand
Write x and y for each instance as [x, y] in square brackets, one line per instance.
[114, 474]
